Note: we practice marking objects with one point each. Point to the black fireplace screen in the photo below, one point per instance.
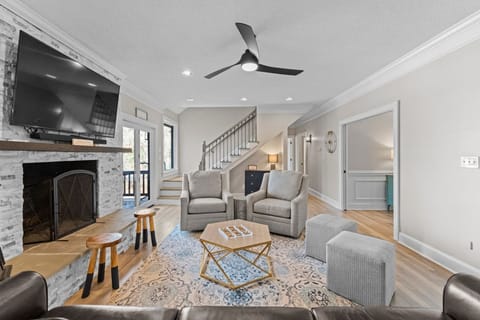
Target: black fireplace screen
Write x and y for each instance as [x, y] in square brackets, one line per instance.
[58, 199]
[74, 199]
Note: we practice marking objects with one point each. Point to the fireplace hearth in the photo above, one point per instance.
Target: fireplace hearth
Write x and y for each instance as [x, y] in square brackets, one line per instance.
[59, 198]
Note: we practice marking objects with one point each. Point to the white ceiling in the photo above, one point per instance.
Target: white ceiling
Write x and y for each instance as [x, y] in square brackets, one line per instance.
[338, 43]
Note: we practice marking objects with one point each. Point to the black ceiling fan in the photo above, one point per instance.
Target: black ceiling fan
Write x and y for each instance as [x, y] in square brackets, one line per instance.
[249, 59]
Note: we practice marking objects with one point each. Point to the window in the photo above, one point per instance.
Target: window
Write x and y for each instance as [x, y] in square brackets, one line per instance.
[168, 143]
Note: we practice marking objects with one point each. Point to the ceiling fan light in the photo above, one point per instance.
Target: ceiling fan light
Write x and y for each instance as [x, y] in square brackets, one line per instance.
[249, 66]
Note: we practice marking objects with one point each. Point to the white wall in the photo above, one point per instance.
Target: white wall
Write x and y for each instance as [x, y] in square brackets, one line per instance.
[203, 124]
[258, 158]
[369, 143]
[439, 122]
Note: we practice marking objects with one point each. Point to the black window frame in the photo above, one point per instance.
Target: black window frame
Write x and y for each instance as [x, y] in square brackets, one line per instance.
[172, 144]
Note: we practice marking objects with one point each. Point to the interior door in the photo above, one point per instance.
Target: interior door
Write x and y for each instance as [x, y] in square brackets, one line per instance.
[299, 152]
[291, 153]
[136, 166]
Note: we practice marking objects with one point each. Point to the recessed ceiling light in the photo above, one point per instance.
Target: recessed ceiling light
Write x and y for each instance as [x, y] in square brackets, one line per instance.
[288, 99]
[92, 84]
[190, 99]
[51, 76]
[243, 99]
[187, 73]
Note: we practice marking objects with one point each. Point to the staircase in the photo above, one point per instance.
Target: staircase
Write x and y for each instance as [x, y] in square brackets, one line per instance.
[229, 147]
[170, 191]
[219, 154]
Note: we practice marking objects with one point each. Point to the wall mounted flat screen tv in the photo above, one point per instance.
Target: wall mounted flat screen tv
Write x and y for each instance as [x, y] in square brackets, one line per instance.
[55, 93]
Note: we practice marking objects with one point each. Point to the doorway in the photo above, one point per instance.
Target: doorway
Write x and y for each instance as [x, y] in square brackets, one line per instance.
[374, 189]
[137, 175]
[300, 153]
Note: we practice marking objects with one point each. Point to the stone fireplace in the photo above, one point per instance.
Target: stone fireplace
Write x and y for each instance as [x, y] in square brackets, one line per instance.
[109, 177]
[109, 188]
[58, 199]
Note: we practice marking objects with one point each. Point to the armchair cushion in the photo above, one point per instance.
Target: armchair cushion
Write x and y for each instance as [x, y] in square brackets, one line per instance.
[205, 184]
[206, 205]
[273, 207]
[284, 185]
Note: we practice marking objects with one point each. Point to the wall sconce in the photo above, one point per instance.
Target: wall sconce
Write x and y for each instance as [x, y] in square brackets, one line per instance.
[309, 138]
[392, 154]
[272, 159]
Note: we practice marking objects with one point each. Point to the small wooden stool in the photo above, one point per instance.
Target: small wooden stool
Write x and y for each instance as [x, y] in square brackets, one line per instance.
[142, 216]
[101, 242]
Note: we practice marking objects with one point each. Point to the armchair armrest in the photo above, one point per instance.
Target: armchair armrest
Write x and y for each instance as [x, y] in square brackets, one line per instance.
[299, 209]
[184, 200]
[185, 196]
[251, 199]
[228, 198]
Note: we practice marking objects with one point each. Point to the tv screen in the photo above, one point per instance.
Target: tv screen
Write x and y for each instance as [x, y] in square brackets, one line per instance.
[56, 93]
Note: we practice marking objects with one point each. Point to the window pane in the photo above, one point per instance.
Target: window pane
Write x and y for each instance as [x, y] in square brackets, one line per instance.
[168, 147]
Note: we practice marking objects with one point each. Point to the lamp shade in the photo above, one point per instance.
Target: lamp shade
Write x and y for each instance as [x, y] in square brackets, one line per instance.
[272, 158]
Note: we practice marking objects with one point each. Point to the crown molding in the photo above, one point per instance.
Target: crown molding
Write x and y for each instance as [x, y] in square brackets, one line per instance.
[25, 12]
[138, 94]
[455, 37]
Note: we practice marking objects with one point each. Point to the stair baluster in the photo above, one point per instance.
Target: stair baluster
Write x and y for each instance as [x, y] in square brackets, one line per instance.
[229, 144]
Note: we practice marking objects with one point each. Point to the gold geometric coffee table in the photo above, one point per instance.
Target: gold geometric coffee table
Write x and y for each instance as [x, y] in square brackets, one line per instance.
[223, 255]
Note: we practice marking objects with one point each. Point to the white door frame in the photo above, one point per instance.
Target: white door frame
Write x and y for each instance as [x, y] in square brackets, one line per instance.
[393, 107]
[300, 156]
[128, 120]
[174, 171]
[291, 152]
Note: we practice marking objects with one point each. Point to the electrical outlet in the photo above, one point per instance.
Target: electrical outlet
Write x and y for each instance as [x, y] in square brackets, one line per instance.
[470, 162]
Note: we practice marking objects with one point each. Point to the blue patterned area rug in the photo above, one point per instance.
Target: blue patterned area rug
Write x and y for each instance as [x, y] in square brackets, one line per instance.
[170, 278]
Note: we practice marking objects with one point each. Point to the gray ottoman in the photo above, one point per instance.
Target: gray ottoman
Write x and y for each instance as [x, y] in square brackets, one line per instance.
[320, 229]
[361, 268]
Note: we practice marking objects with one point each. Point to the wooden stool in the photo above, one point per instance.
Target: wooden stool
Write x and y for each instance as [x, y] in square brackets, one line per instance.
[101, 242]
[142, 216]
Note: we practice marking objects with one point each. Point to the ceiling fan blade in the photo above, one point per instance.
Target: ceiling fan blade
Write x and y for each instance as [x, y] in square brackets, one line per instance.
[288, 72]
[216, 73]
[249, 37]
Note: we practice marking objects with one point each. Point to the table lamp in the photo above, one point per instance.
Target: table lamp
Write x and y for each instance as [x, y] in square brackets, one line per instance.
[272, 159]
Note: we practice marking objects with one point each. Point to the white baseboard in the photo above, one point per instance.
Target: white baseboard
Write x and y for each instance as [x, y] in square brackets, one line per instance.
[367, 207]
[448, 262]
[325, 198]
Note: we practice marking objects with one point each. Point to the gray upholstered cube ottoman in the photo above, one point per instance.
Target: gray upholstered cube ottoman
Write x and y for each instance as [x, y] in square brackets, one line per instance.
[361, 268]
[320, 229]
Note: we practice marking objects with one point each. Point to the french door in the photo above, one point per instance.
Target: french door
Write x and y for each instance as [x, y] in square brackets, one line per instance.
[136, 165]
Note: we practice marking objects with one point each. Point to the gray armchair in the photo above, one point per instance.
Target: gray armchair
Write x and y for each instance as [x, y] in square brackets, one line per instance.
[281, 202]
[204, 200]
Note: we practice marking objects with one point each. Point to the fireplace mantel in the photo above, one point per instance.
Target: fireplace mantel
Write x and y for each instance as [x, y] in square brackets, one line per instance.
[57, 147]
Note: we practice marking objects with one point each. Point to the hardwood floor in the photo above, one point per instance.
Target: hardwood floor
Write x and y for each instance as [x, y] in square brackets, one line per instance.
[166, 219]
[419, 281]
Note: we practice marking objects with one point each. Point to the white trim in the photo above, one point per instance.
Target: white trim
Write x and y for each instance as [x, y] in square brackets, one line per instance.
[171, 122]
[136, 123]
[391, 107]
[360, 193]
[370, 172]
[32, 17]
[140, 95]
[448, 262]
[457, 36]
[325, 198]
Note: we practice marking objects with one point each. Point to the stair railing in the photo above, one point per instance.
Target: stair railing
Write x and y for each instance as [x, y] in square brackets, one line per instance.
[229, 144]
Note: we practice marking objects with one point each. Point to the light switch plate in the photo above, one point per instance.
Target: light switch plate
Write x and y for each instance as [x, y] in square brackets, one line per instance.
[470, 162]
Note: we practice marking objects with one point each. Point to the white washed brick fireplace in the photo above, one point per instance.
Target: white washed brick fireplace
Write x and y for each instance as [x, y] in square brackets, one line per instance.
[109, 189]
[109, 165]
